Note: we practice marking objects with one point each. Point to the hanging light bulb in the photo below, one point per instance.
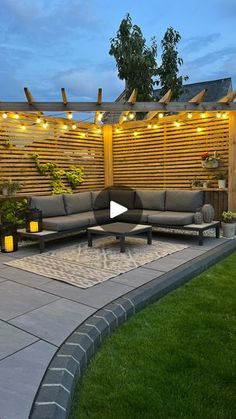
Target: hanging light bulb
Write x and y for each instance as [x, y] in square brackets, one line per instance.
[38, 120]
[224, 115]
[4, 115]
[160, 115]
[69, 115]
[45, 124]
[125, 118]
[131, 115]
[23, 127]
[117, 130]
[74, 126]
[65, 126]
[203, 115]
[190, 115]
[100, 115]
[177, 124]
[99, 130]
[135, 133]
[83, 135]
[218, 115]
[199, 129]
[155, 126]
[149, 126]
[16, 115]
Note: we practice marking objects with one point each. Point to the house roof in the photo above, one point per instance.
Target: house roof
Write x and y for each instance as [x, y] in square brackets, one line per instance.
[216, 89]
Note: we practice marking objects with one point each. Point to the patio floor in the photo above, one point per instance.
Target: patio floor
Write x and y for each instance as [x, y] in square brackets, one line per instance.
[37, 314]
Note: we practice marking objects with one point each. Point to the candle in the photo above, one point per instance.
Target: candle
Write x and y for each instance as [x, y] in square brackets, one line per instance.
[34, 226]
[8, 244]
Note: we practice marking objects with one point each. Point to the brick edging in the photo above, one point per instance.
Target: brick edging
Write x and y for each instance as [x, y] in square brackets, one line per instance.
[53, 399]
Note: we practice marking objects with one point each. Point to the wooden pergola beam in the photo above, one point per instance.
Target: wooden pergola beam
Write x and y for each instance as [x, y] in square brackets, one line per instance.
[164, 99]
[64, 96]
[228, 98]
[99, 99]
[29, 97]
[199, 97]
[116, 107]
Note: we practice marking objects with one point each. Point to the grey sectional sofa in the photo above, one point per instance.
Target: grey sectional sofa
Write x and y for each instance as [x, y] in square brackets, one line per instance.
[70, 213]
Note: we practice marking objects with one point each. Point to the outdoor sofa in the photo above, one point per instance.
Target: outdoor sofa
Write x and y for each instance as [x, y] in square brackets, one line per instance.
[71, 213]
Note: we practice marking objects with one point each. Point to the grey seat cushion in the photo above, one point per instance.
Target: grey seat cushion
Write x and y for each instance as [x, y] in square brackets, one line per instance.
[78, 202]
[124, 197]
[135, 216]
[51, 205]
[171, 218]
[100, 199]
[67, 222]
[184, 201]
[99, 217]
[153, 200]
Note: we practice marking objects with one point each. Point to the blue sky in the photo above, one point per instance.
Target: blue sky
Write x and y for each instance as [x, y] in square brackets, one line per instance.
[48, 44]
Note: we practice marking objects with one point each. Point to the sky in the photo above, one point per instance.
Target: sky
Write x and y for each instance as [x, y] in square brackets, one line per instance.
[49, 44]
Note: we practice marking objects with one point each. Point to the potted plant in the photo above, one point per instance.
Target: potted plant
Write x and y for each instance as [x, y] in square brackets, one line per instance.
[196, 183]
[9, 187]
[221, 177]
[229, 224]
[210, 160]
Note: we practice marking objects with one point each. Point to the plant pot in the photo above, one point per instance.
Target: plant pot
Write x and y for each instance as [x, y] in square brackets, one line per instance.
[221, 183]
[210, 164]
[228, 230]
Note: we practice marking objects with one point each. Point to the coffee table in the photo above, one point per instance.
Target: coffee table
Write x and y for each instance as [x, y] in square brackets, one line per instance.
[120, 231]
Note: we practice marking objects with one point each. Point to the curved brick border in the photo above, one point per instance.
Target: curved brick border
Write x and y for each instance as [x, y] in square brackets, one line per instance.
[53, 399]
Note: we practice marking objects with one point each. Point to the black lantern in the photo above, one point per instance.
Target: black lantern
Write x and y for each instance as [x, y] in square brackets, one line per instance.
[9, 238]
[34, 221]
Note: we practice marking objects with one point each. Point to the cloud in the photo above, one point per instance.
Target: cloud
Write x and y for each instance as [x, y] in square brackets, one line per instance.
[214, 57]
[196, 43]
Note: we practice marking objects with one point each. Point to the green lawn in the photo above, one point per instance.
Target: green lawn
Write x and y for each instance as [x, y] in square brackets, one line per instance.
[175, 359]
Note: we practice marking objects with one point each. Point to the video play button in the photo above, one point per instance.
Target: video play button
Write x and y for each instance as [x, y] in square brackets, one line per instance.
[116, 209]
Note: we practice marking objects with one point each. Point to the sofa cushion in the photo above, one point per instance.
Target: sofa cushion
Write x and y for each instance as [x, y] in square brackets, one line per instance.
[153, 200]
[100, 199]
[124, 197]
[67, 222]
[135, 216]
[99, 217]
[171, 218]
[51, 205]
[78, 202]
[184, 200]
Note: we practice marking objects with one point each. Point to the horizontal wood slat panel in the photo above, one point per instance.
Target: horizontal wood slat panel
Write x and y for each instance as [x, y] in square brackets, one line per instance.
[80, 147]
[169, 156]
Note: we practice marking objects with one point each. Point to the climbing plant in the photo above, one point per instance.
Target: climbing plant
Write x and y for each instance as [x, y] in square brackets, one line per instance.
[74, 175]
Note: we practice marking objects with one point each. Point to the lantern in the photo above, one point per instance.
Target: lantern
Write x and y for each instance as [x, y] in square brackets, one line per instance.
[34, 221]
[9, 239]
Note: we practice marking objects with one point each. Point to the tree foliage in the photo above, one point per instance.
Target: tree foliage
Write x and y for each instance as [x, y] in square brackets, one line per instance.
[168, 71]
[136, 62]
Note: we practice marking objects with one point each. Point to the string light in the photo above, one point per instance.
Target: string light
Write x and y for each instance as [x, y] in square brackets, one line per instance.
[45, 124]
[100, 115]
[177, 124]
[224, 115]
[199, 129]
[160, 115]
[155, 126]
[190, 115]
[117, 130]
[203, 115]
[131, 115]
[23, 127]
[65, 126]
[124, 118]
[16, 115]
[4, 115]
[38, 120]
[218, 115]
[135, 133]
[74, 126]
[69, 115]
[149, 126]
[99, 130]
[83, 135]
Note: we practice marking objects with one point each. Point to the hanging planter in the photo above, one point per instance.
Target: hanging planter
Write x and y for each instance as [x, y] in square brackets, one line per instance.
[210, 164]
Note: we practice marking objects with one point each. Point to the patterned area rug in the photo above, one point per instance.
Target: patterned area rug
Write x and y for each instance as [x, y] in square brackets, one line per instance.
[85, 266]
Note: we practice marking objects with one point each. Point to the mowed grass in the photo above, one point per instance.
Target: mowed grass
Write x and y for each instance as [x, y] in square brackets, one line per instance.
[175, 359]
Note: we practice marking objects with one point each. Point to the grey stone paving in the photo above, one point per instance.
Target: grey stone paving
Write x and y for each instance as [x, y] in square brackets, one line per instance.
[37, 314]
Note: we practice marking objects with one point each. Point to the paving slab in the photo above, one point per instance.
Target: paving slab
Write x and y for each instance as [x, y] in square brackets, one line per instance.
[17, 299]
[55, 321]
[166, 264]
[13, 339]
[20, 376]
[23, 277]
[96, 296]
[137, 277]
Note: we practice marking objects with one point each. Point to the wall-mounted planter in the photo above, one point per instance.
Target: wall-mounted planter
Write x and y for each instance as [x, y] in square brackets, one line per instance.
[210, 164]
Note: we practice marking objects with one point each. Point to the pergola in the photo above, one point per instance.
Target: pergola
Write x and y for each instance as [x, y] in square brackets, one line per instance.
[163, 110]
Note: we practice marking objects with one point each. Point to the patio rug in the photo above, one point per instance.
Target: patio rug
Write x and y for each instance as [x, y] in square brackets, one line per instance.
[85, 266]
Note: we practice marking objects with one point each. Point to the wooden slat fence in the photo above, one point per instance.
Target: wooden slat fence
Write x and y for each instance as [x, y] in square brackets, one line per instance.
[64, 147]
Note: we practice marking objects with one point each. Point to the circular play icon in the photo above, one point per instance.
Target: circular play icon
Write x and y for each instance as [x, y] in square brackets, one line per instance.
[117, 204]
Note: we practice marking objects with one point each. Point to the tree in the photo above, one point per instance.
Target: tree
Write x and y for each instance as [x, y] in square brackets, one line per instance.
[169, 70]
[136, 63]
